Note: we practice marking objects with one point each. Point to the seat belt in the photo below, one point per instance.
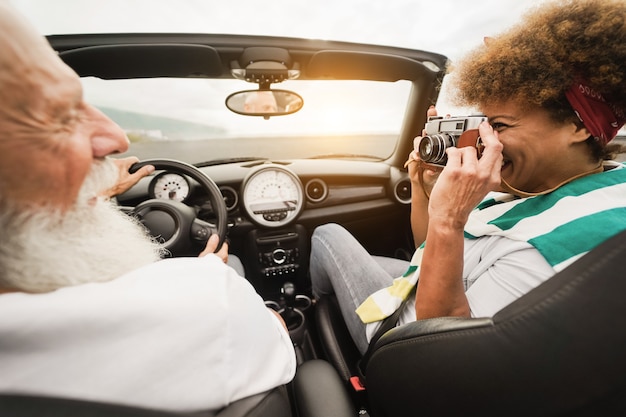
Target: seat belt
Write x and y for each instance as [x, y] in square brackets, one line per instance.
[387, 324]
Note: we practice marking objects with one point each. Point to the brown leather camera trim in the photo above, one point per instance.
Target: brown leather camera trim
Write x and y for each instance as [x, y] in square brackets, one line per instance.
[471, 137]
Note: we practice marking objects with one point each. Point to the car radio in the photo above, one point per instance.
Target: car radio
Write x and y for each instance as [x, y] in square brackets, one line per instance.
[279, 255]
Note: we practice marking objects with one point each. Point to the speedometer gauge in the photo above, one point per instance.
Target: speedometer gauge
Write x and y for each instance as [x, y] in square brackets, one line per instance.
[272, 196]
[169, 186]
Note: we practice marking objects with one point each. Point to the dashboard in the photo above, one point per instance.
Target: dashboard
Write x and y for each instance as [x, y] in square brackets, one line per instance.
[273, 208]
[274, 195]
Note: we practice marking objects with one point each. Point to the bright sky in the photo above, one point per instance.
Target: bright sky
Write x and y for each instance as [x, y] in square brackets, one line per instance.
[450, 27]
[445, 26]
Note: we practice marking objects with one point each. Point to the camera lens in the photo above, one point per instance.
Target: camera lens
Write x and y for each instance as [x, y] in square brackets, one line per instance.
[432, 148]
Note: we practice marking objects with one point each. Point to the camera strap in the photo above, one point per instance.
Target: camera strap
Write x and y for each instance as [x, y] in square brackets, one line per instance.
[512, 190]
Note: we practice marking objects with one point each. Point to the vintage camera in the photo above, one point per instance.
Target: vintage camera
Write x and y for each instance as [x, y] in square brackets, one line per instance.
[443, 133]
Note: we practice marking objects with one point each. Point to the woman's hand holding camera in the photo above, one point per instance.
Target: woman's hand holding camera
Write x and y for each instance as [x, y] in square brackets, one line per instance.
[448, 194]
[423, 180]
[466, 180]
[422, 176]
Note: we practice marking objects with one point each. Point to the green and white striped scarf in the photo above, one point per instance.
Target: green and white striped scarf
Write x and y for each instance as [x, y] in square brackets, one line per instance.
[562, 225]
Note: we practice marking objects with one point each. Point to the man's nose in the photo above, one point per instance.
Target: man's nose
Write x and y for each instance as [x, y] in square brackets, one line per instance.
[107, 137]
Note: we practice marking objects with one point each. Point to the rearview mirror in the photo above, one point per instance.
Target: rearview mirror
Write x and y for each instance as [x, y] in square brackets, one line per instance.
[264, 103]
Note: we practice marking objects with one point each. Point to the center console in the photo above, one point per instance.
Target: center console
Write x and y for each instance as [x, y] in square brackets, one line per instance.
[277, 264]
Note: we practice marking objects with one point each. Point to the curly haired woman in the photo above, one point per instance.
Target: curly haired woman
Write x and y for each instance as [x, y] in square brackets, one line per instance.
[542, 194]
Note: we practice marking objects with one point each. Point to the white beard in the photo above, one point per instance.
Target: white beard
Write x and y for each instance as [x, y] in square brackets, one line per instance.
[43, 250]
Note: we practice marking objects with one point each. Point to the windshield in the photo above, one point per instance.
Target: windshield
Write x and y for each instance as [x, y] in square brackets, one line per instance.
[187, 119]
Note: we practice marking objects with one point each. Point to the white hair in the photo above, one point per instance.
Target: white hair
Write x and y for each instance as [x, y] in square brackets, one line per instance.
[42, 249]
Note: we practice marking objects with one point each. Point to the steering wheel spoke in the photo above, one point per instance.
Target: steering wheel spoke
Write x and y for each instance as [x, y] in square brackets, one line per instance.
[201, 230]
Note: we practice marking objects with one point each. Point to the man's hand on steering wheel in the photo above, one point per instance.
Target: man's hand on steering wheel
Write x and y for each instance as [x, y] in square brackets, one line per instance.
[211, 245]
[125, 179]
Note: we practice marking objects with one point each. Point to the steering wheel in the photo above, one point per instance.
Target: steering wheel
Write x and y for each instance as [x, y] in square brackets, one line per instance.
[175, 224]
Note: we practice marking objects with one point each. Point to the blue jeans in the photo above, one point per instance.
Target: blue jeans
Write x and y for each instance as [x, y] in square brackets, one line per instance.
[341, 266]
[235, 263]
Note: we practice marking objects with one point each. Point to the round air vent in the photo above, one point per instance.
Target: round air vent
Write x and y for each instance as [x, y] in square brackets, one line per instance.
[316, 190]
[230, 197]
[403, 191]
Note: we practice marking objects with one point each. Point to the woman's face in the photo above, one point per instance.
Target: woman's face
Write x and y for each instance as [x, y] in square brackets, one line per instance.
[538, 153]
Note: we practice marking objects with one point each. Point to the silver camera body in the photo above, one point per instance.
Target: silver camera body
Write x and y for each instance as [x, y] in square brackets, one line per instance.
[443, 133]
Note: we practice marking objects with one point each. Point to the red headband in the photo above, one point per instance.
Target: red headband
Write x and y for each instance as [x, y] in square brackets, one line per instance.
[599, 117]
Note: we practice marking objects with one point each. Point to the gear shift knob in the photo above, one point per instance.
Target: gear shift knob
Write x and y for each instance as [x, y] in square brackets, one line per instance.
[289, 293]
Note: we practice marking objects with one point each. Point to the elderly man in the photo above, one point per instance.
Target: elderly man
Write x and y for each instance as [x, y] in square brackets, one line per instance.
[260, 102]
[81, 314]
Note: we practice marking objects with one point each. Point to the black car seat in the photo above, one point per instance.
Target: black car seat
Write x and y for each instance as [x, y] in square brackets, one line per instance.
[274, 403]
[558, 350]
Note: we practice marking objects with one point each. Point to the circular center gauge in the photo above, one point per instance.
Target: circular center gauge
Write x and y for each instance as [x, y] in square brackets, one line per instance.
[272, 196]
